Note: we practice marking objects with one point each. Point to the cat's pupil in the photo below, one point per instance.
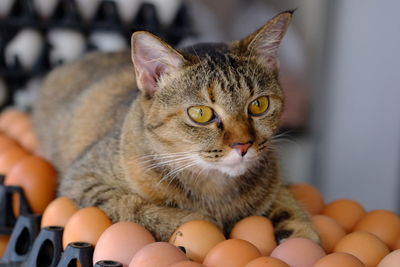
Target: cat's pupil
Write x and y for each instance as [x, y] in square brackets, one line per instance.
[257, 103]
[201, 112]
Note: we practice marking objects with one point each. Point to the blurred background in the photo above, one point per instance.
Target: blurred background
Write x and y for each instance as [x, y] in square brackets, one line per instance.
[340, 72]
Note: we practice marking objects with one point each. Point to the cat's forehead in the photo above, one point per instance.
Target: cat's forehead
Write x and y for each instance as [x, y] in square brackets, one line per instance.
[220, 77]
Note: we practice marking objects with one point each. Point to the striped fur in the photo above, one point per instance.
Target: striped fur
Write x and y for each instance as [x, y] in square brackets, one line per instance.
[140, 158]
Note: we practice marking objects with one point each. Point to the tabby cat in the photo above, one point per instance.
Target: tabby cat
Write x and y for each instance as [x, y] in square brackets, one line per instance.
[178, 135]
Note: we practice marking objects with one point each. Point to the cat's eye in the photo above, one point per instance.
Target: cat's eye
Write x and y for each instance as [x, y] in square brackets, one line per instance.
[201, 114]
[259, 106]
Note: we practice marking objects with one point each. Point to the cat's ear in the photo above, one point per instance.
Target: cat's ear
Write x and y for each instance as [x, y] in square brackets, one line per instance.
[265, 42]
[152, 58]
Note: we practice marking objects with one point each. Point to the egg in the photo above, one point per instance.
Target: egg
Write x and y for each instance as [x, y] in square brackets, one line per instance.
[45, 7]
[397, 244]
[299, 252]
[382, 223]
[345, 212]
[67, 45]
[257, 230]
[85, 225]
[127, 9]
[166, 10]
[6, 143]
[5, 7]
[108, 41]
[308, 196]
[339, 259]
[3, 243]
[9, 116]
[329, 231]
[232, 253]
[266, 262]
[11, 157]
[365, 246]
[19, 127]
[37, 178]
[391, 260]
[187, 264]
[58, 212]
[27, 55]
[158, 254]
[88, 8]
[197, 237]
[30, 142]
[126, 238]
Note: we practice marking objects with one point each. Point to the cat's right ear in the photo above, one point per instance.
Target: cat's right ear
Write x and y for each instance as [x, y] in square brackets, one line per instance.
[152, 58]
[265, 42]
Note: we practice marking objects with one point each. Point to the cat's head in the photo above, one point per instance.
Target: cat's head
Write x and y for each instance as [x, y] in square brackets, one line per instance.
[210, 107]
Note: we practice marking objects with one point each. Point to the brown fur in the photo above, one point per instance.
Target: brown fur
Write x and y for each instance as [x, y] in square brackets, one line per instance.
[113, 143]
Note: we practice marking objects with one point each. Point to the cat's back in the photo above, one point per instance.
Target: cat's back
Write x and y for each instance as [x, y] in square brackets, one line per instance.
[80, 102]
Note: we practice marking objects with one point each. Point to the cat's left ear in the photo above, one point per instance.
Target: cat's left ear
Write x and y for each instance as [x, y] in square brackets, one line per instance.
[152, 58]
[265, 42]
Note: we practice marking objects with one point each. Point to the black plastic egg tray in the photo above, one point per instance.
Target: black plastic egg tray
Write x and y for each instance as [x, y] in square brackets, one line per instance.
[32, 246]
[66, 15]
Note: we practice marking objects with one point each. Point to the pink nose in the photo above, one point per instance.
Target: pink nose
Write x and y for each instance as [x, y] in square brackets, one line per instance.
[242, 148]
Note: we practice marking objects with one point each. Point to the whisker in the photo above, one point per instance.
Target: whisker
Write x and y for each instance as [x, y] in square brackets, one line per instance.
[162, 164]
[166, 158]
[175, 172]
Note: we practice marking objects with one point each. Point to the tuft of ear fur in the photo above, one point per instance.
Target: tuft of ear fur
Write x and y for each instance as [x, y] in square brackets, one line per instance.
[265, 42]
[152, 58]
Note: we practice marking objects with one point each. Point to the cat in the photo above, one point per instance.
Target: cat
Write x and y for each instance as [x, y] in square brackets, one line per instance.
[178, 135]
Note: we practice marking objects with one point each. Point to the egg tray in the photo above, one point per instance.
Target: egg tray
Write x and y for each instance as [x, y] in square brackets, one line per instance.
[31, 246]
[66, 15]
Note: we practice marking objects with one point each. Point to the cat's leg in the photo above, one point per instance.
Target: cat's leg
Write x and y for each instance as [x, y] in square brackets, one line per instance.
[122, 205]
[289, 218]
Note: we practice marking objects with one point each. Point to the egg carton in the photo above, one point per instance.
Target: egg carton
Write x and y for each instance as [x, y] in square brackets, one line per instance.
[32, 246]
[31, 44]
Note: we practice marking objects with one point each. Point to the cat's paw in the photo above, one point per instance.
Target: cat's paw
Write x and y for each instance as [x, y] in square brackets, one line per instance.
[296, 229]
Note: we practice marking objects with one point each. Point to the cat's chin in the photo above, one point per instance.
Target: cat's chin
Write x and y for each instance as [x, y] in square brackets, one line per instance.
[232, 165]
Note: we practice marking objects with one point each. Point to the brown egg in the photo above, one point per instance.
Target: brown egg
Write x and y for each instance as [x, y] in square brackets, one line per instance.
[121, 241]
[3, 243]
[6, 143]
[339, 259]
[329, 231]
[58, 212]
[37, 178]
[309, 197]
[257, 230]
[9, 117]
[158, 254]
[382, 223]
[266, 262]
[86, 225]
[10, 157]
[197, 237]
[391, 260]
[30, 142]
[232, 253]
[397, 244]
[365, 246]
[345, 212]
[187, 264]
[299, 252]
[19, 127]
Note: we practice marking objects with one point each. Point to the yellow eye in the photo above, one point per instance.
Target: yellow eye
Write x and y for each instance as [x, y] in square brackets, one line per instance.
[259, 106]
[201, 114]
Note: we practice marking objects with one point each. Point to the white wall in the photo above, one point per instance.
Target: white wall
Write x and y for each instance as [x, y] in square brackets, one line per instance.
[358, 120]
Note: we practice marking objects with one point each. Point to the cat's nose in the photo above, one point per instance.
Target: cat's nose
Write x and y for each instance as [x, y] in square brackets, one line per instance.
[242, 148]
